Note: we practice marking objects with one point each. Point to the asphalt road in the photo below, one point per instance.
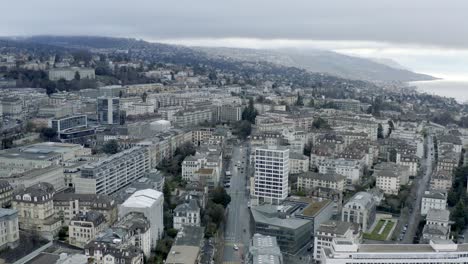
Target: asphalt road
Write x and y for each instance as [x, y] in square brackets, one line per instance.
[238, 218]
[422, 185]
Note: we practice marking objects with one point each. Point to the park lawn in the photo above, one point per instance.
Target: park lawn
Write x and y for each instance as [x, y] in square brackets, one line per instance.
[374, 235]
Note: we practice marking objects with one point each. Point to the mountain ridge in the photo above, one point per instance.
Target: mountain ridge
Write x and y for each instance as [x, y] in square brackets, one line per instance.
[329, 62]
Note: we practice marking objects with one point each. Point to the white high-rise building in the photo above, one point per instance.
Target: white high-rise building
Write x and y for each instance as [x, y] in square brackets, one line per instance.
[149, 202]
[271, 173]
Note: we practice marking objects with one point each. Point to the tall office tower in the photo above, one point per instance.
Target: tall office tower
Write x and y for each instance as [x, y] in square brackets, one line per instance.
[271, 174]
[109, 110]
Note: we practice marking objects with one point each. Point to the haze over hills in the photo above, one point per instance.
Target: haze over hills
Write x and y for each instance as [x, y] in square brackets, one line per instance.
[311, 60]
[329, 62]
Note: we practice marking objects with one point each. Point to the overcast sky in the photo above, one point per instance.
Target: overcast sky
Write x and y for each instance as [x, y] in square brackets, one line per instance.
[437, 30]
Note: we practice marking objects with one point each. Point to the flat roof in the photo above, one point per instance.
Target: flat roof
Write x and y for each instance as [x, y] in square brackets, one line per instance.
[183, 255]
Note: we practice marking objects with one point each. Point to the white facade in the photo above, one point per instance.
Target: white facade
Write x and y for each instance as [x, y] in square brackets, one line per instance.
[408, 160]
[149, 202]
[433, 200]
[271, 174]
[298, 164]
[187, 214]
[113, 173]
[390, 184]
[69, 73]
[140, 109]
[351, 169]
[9, 228]
[333, 229]
[439, 252]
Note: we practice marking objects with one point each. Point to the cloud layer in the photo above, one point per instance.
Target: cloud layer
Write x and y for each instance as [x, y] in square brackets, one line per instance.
[424, 22]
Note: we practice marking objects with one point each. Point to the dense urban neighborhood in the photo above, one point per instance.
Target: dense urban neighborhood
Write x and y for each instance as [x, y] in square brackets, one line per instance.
[121, 151]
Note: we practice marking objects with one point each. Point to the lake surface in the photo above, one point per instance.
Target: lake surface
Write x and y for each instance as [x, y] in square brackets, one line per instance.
[447, 88]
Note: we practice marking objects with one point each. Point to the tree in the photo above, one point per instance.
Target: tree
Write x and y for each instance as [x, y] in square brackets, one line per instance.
[216, 213]
[458, 216]
[392, 155]
[311, 102]
[172, 232]
[111, 147]
[250, 113]
[299, 101]
[380, 131]
[220, 196]
[243, 129]
[48, 133]
[167, 192]
[260, 99]
[391, 127]
[63, 233]
[144, 96]
[7, 143]
[320, 123]
[30, 126]
[307, 149]
[77, 76]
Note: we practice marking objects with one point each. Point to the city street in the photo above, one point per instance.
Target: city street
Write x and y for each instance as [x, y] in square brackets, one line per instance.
[237, 222]
[421, 186]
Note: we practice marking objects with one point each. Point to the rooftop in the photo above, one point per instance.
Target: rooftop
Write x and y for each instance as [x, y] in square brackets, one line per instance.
[143, 198]
[183, 255]
[190, 236]
[336, 227]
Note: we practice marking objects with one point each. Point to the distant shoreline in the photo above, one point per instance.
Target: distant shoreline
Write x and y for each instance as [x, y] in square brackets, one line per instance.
[457, 90]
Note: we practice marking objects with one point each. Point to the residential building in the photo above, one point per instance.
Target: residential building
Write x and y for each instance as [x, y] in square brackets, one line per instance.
[334, 229]
[69, 74]
[452, 141]
[111, 174]
[69, 205]
[207, 160]
[271, 174]
[437, 225]
[310, 180]
[187, 247]
[448, 161]
[150, 203]
[192, 117]
[441, 180]
[35, 208]
[110, 253]
[351, 169]
[136, 231]
[6, 193]
[9, 228]
[434, 199]
[360, 209]
[230, 113]
[187, 213]
[409, 160]
[298, 163]
[84, 227]
[388, 181]
[140, 108]
[264, 249]
[403, 172]
[12, 108]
